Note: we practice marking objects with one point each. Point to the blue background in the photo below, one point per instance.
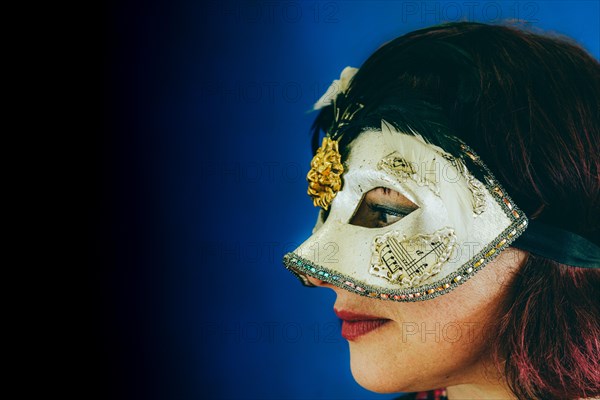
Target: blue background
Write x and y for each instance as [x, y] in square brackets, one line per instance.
[204, 156]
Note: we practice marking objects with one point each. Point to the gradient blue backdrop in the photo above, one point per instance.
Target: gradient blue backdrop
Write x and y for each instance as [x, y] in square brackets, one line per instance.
[204, 156]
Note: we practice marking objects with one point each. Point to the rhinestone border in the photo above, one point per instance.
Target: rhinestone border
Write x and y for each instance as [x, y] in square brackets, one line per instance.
[299, 266]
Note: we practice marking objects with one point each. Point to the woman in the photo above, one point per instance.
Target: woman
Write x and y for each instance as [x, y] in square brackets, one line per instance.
[459, 187]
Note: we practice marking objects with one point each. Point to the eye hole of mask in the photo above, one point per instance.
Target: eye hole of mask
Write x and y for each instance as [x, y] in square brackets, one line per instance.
[381, 207]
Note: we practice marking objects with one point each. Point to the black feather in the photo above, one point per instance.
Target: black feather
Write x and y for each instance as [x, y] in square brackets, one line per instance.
[409, 82]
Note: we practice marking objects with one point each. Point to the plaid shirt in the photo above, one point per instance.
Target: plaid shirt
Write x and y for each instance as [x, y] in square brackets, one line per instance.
[437, 394]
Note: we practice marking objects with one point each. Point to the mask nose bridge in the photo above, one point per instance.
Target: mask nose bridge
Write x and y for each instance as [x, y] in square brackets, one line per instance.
[316, 250]
[317, 244]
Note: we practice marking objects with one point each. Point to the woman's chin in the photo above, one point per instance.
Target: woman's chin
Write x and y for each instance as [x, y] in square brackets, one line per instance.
[379, 377]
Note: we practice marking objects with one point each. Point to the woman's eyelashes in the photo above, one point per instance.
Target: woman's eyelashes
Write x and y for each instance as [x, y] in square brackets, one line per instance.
[381, 207]
[383, 215]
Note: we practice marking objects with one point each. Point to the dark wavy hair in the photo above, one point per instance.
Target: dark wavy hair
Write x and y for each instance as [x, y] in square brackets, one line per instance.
[529, 104]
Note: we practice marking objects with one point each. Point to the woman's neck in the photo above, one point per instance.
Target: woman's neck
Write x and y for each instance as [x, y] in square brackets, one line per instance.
[483, 381]
[487, 391]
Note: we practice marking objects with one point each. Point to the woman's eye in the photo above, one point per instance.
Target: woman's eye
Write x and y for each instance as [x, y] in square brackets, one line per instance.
[386, 216]
[381, 207]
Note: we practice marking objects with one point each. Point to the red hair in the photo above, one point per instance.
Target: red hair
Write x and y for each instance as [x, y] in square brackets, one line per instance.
[548, 340]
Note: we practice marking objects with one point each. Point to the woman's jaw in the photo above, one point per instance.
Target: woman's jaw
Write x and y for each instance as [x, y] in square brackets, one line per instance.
[416, 346]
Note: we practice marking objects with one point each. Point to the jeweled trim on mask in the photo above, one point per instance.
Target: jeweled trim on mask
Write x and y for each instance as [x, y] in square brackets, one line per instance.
[299, 265]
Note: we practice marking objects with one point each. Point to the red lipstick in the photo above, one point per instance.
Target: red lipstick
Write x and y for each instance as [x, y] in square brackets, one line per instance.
[356, 325]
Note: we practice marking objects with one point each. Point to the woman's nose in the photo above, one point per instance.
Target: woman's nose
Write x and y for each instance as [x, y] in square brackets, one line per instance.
[318, 282]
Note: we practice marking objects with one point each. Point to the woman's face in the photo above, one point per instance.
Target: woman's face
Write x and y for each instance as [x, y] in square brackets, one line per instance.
[421, 345]
[434, 342]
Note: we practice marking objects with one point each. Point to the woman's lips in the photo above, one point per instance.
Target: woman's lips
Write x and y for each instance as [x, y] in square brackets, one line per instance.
[355, 325]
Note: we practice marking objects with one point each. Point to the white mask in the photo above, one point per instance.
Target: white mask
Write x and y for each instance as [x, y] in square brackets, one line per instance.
[454, 225]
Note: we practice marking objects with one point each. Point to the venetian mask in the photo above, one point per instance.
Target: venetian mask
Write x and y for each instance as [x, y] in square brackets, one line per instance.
[402, 219]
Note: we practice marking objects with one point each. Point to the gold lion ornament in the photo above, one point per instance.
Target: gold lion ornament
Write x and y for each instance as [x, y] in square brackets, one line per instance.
[324, 177]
